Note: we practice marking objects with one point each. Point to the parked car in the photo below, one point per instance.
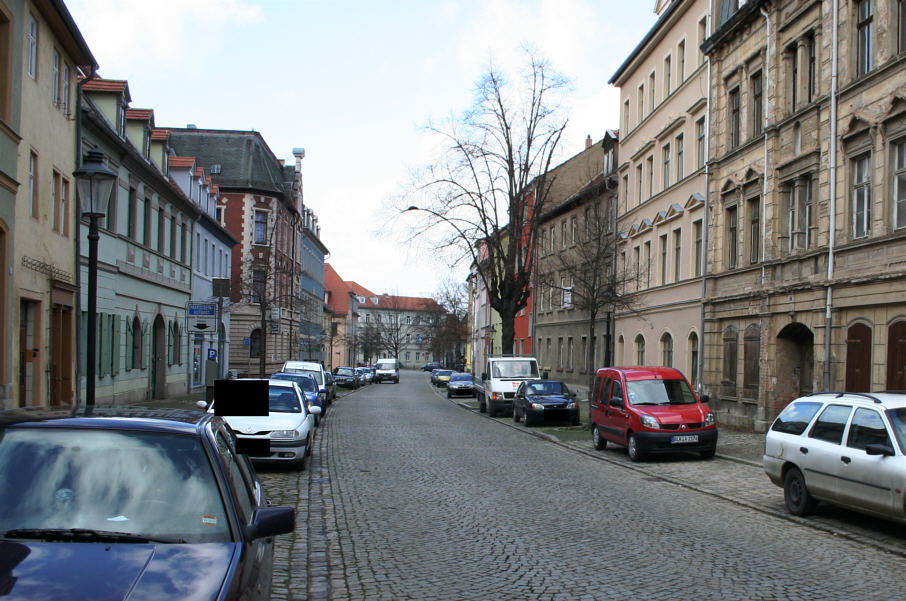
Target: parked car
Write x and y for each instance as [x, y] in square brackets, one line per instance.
[331, 385]
[366, 376]
[540, 401]
[112, 505]
[289, 425]
[431, 365]
[442, 376]
[310, 388]
[434, 376]
[387, 370]
[310, 367]
[502, 374]
[461, 384]
[847, 449]
[650, 410]
[346, 377]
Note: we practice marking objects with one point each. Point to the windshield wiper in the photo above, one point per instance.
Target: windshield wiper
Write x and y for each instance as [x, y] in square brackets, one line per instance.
[85, 535]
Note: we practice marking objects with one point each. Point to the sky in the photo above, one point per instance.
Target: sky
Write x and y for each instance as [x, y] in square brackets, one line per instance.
[354, 83]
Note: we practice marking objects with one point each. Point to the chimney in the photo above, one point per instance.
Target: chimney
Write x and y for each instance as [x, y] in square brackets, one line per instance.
[588, 142]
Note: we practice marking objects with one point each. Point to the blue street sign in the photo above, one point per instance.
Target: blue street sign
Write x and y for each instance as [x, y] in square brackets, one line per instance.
[212, 354]
[246, 342]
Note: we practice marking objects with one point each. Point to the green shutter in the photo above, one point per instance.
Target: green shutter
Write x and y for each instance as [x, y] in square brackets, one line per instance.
[128, 327]
[102, 344]
[144, 344]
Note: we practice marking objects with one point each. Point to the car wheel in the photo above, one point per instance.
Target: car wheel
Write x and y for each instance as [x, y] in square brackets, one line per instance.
[515, 415]
[796, 495]
[709, 454]
[481, 405]
[599, 441]
[632, 448]
[528, 419]
[449, 396]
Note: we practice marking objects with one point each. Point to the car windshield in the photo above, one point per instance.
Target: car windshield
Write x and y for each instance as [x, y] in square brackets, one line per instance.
[385, 366]
[461, 378]
[514, 369]
[659, 392]
[117, 485]
[444, 372]
[305, 383]
[283, 400]
[897, 419]
[345, 371]
[547, 388]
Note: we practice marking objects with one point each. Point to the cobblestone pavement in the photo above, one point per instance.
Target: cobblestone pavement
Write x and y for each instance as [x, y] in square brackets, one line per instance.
[410, 496]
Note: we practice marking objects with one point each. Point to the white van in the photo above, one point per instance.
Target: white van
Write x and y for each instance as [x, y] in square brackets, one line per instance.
[501, 377]
[314, 368]
[387, 369]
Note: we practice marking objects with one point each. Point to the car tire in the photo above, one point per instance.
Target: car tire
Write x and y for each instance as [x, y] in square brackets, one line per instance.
[632, 449]
[599, 441]
[528, 419]
[709, 454]
[449, 396]
[482, 407]
[796, 495]
[515, 415]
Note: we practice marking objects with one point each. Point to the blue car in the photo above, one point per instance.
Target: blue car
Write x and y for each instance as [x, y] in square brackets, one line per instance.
[132, 504]
[309, 386]
[539, 401]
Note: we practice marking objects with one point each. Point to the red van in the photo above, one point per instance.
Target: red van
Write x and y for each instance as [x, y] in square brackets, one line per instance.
[650, 410]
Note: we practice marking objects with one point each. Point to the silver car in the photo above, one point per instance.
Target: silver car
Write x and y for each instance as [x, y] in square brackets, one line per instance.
[848, 449]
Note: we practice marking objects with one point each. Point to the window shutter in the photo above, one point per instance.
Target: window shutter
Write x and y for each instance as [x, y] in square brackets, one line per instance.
[144, 345]
[170, 343]
[128, 327]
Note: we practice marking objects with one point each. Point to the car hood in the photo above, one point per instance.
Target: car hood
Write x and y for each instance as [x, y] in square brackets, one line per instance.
[676, 414]
[246, 424]
[548, 399]
[113, 572]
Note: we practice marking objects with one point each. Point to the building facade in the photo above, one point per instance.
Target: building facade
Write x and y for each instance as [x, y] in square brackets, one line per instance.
[807, 265]
[342, 310]
[661, 210]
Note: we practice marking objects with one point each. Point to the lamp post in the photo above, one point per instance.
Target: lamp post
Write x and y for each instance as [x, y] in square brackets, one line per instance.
[95, 182]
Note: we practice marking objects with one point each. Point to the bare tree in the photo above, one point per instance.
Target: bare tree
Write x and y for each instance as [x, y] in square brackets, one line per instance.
[370, 341]
[447, 326]
[595, 279]
[481, 198]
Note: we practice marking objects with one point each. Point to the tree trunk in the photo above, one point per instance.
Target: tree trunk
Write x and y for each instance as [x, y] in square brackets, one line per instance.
[590, 357]
[262, 360]
[507, 331]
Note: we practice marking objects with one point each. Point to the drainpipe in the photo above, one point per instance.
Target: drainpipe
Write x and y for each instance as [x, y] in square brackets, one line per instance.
[766, 118]
[78, 240]
[700, 368]
[832, 229]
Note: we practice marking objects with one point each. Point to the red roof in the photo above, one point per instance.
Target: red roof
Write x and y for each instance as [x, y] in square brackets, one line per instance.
[105, 85]
[338, 299]
[160, 134]
[199, 171]
[177, 161]
[140, 114]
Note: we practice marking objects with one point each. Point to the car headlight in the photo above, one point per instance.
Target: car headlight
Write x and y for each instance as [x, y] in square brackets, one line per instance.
[709, 419]
[537, 406]
[285, 434]
[650, 422]
[571, 405]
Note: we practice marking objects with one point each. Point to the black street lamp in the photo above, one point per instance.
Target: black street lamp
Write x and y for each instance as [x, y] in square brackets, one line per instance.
[95, 182]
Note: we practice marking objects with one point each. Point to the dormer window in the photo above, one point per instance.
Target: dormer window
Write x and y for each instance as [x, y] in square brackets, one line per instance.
[121, 118]
[146, 143]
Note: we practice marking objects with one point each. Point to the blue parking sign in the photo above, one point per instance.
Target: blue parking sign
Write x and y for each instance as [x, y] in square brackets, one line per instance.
[212, 354]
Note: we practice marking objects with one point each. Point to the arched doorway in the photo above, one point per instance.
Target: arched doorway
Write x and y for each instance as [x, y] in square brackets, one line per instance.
[896, 356]
[159, 359]
[795, 363]
[858, 358]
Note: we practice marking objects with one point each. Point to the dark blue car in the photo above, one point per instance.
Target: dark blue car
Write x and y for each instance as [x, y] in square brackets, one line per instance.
[131, 504]
[539, 401]
[309, 386]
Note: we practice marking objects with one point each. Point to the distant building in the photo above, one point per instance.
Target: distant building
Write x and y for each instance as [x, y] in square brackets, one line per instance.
[342, 309]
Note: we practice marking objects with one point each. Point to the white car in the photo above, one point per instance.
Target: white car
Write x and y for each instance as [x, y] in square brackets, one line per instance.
[848, 449]
[289, 425]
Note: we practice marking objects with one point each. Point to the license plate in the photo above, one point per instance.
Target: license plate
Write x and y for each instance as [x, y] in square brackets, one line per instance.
[684, 438]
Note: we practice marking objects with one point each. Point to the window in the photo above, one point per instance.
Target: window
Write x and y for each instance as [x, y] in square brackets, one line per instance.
[681, 62]
[797, 201]
[54, 195]
[867, 428]
[183, 242]
[677, 253]
[666, 169]
[569, 353]
[652, 99]
[899, 185]
[559, 353]
[667, 350]
[204, 269]
[678, 143]
[693, 359]
[32, 50]
[697, 259]
[647, 264]
[136, 344]
[901, 26]
[730, 340]
[60, 203]
[649, 165]
[793, 68]
[702, 34]
[553, 232]
[637, 267]
[864, 36]
[131, 210]
[732, 238]
[173, 237]
[575, 227]
[640, 350]
[625, 193]
[663, 259]
[146, 235]
[667, 74]
[260, 227]
[757, 105]
[584, 351]
[733, 118]
[751, 370]
[861, 195]
[811, 88]
[55, 84]
[258, 283]
[700, 143]
[626, 115]
[255, 344]
[638, 173]
[33, 185]
[754, 229]
[64, 206]
[66, 86]
[830, 424]
[641, 103]
[161, 230]
[563, 235]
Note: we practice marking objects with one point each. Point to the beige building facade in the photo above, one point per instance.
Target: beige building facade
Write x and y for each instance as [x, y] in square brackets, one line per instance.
[661, 210]
[806, 274]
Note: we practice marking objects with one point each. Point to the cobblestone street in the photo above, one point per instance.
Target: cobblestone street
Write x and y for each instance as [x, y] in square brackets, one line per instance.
[410, 496]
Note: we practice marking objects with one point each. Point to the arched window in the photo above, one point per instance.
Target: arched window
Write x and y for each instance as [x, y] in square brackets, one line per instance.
[640, 350]
[177, 344]
[731, 343]
[255, 344]
[693, 359]
[667, 350]
[896, 356]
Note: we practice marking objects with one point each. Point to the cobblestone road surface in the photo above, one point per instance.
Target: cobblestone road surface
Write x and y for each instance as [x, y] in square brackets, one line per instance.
[410, 496]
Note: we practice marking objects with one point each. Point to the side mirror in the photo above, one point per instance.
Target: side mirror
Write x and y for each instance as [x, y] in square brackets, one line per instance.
[314, 410]
[616, 402]
[704, 398]
[484, 375]
[879, 449]
[201, 405]
[270, 521]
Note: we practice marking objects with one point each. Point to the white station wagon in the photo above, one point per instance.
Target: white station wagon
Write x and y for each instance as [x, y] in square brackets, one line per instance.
[848, 449]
